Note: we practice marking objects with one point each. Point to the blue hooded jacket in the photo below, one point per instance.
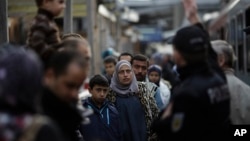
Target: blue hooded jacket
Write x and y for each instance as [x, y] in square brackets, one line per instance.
[104, 123]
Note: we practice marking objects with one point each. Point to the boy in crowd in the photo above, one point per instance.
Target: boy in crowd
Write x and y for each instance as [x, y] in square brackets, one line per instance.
[44, 32]
[109, 64]
[104, 122]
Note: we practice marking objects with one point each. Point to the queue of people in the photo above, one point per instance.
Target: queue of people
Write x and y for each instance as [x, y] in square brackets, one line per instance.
[136, 100]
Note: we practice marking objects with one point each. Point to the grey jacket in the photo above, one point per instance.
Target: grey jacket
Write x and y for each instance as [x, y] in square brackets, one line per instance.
[240, 99]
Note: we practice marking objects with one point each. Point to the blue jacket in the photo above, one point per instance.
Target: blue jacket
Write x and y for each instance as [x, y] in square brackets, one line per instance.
[104, 123]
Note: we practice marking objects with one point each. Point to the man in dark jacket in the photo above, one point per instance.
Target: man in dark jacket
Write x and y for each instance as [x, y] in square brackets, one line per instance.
[43, 31]
[104, 123]
[199, 108]
[63, 78]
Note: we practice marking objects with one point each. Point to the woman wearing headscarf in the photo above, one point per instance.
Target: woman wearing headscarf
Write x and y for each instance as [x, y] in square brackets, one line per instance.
[20, 83]
[155, 76]
[137, 109]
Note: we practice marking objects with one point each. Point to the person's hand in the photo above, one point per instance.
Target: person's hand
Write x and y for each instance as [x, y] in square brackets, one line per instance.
[167, 112]
[190, 7]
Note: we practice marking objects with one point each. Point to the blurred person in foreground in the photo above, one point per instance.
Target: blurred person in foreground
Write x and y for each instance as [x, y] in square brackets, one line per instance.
[75, 42]
[193, 17]
[78, 43]
[44, 32]
[200, 105]
[239, 91]
[136, 107]
[63, 77]
[104, 125]
[20, 87]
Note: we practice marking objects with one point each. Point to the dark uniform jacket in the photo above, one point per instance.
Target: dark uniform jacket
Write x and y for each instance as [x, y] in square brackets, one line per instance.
[66, 116]
[44, 32]
[199, 108]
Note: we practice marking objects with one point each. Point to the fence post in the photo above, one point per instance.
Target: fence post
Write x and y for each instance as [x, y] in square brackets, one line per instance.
[4, 36]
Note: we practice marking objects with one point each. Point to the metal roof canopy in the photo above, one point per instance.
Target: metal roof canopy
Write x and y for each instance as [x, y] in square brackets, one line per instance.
[146, 3]
[232, 7]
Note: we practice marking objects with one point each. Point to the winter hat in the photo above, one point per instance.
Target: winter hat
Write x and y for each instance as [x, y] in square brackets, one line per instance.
[155, 68]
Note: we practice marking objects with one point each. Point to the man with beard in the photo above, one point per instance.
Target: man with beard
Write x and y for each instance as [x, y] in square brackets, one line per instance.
[140, 64]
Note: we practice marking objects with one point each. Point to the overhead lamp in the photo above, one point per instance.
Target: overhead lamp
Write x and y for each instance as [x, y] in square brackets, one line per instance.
[102, 10]
[209, 16]
[130, 15]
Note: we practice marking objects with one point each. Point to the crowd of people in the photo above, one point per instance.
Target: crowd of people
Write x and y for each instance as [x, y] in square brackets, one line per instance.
[192, 94]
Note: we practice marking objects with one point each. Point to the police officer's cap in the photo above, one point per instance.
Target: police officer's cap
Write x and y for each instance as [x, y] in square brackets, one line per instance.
[190, 40]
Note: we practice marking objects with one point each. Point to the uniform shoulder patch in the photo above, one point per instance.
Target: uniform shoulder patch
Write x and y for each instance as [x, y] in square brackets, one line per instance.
[177, 122]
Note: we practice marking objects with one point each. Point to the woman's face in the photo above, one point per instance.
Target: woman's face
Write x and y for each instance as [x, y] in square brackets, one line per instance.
[125, 75]
[154, 77]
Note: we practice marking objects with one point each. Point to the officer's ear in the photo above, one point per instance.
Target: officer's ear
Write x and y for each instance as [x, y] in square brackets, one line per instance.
[168, 111]
[49, 77]
[221, 60]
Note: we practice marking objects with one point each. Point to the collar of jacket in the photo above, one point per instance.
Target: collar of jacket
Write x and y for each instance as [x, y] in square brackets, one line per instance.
[229, 71]
[46, 13]
[186, 71]
[66, 115]
[91, 103]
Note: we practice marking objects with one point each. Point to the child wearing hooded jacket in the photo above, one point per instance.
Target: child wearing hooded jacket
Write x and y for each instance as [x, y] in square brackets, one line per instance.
[104, 123]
